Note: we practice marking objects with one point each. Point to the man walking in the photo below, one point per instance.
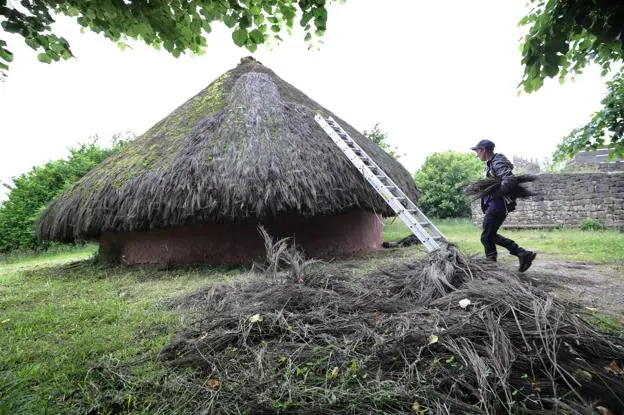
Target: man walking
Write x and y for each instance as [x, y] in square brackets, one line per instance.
[497, 205]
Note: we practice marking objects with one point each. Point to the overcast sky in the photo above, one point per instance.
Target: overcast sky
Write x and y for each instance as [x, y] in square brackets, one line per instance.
[437, 76]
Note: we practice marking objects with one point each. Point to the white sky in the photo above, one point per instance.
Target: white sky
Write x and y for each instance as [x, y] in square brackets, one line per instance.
[437, 76]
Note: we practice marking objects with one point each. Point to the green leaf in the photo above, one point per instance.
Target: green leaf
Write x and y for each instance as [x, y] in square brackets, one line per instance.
[259, 19]
[240, 37]
[252, 47]
[13, 27]
[244, 21]
[308, 37]
[229, 20]
[57, 47]
[32, 43]
[320, 14]
[168, 45]
[307, 16]
[42, 57]
[6, 55]
[256, 36]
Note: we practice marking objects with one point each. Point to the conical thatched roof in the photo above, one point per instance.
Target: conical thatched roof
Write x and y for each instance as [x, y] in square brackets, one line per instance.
[247, 146]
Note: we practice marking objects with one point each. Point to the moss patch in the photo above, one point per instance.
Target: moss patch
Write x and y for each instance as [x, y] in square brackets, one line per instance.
[157, 148]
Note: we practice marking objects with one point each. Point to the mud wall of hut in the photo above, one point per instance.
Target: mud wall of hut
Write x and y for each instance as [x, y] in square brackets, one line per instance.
[566, 199]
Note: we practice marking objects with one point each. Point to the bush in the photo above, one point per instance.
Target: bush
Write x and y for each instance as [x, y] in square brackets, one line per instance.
[441, 180]
[31, 192]
[590, 224]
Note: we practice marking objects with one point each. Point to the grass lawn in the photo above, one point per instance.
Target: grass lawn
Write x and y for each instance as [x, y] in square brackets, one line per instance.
[566, 244]
[61, 320]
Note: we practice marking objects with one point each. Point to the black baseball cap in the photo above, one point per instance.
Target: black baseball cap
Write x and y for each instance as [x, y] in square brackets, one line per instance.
[486, 144]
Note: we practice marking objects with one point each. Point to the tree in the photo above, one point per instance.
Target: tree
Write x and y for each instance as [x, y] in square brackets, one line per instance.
[178, 26]
[380, 138]
[32, 191]
[565, 36]
[441, 180]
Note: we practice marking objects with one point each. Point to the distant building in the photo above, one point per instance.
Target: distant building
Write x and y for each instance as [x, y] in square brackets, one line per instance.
[525, 166]
[594, 160]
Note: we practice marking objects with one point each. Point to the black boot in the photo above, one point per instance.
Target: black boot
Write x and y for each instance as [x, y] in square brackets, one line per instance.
[526, 259]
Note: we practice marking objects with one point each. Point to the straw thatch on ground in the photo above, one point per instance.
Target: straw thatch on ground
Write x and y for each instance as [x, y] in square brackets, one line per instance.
[447, 335]
[245, 147]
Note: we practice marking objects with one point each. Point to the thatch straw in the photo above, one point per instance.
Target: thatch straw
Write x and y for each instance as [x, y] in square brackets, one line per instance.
[491, 185]
[398, 341]
[245, 147]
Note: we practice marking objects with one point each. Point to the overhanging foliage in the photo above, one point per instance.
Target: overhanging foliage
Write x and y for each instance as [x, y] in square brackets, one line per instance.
[564, 37]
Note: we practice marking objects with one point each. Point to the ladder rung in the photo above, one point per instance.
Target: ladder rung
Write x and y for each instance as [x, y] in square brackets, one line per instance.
[430, 236]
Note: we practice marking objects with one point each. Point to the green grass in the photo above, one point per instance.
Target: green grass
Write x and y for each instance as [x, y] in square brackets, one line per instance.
[61, 322]
[56, 251]
[610, 324]
[567, 244]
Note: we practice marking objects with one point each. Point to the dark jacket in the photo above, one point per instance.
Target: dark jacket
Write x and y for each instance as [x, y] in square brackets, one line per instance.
[499, 166]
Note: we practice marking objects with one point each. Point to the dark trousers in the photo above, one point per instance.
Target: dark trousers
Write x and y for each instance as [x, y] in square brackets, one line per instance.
[492, 221]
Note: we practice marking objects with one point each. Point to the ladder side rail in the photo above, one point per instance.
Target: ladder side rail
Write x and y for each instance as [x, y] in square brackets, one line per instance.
[381, 188]
[412, 223]
[434, 228]
[363, 168]
[425, 237]
[374, 164]
[411, 204]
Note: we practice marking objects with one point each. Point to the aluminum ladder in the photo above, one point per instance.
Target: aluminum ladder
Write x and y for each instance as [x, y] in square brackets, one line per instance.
[414, 219]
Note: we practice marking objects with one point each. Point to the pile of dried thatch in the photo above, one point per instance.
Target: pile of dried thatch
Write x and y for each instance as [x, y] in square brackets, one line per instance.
[446, 335]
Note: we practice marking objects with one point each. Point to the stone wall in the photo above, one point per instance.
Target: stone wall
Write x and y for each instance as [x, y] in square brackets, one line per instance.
[565, 199]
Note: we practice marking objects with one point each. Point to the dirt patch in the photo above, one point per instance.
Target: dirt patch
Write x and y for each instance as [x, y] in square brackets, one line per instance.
[597, 286]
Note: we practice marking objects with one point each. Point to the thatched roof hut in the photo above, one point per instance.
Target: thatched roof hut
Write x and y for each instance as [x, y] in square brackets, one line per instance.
[193, 188]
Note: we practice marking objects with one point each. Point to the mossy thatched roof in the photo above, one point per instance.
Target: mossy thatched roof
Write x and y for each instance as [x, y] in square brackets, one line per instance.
[247, 146]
